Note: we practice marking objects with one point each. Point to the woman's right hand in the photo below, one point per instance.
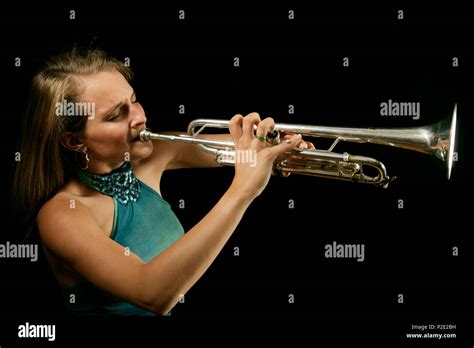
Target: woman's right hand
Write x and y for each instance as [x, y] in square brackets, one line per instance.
[254, 157]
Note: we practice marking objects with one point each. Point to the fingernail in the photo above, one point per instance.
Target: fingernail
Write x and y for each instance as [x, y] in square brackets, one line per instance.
[303, 146]
[288, 141]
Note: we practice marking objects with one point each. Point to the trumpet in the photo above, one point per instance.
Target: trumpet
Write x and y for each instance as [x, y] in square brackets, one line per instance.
[437, 140]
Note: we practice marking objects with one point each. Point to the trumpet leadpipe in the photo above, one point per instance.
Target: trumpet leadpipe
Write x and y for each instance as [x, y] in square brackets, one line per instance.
[146, 135]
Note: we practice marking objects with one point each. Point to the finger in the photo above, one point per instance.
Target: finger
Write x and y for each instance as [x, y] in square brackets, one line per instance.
[264, 127]
[235, 127]
[249, 121]
[302, 145]
[284, 146]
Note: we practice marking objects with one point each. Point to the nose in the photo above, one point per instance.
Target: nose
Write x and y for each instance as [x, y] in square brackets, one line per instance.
[138, 116]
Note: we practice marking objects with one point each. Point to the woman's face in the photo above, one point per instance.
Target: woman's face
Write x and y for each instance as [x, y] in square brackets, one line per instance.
[111, 136]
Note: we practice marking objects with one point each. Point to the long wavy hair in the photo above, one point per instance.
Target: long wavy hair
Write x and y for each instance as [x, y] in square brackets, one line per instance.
[45, 164]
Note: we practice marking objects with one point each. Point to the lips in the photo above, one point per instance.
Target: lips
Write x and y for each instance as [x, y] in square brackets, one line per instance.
[137, 138]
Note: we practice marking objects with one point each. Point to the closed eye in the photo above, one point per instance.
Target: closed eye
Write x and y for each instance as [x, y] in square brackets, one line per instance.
[123, 107]
[116, 116]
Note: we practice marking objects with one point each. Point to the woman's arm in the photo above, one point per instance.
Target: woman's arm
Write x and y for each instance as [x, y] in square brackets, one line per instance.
[179, 267]
[184, 155]
[74, 236]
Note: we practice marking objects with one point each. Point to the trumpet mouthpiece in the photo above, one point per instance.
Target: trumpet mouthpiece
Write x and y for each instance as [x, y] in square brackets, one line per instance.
[145, 135]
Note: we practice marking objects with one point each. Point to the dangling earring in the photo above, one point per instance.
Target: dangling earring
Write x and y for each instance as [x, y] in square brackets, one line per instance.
[84, 150]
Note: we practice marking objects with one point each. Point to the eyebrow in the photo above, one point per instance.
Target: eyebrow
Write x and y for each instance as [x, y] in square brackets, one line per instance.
[113, 108]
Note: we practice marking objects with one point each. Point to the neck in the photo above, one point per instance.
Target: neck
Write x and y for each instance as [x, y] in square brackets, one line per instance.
[103, 167]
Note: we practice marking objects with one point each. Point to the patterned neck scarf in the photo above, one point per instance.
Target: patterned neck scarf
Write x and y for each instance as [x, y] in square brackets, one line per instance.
[121, 183]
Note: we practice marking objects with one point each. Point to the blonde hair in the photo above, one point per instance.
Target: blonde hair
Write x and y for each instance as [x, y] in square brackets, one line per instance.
[46, 165]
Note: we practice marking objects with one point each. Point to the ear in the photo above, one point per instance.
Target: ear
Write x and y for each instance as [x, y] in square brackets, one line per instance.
[71, 141]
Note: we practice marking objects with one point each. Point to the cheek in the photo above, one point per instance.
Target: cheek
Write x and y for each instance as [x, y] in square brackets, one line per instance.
[112, 140]
[108, 141]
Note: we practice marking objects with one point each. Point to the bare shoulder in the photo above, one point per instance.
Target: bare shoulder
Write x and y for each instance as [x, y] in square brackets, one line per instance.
[69, 229]
[58, 205]
[72, 214]
[74, 237]
[62, 210]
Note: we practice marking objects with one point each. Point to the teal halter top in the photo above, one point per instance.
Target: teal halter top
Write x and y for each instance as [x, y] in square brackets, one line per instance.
[143, 222]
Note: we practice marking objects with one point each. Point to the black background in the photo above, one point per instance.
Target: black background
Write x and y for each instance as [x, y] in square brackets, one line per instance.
[282, 62]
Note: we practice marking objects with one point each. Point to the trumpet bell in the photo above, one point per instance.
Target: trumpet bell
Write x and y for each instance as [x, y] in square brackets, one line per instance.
[450, 139]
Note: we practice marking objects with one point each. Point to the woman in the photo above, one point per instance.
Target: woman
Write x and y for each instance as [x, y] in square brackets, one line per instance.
[93, 190]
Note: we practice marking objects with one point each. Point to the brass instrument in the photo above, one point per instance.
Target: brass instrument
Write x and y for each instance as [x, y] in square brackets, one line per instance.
[436, 140]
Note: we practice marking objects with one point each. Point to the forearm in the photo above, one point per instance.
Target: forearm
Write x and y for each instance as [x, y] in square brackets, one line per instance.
[190, 156]
[178, 268]
[202, 159]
